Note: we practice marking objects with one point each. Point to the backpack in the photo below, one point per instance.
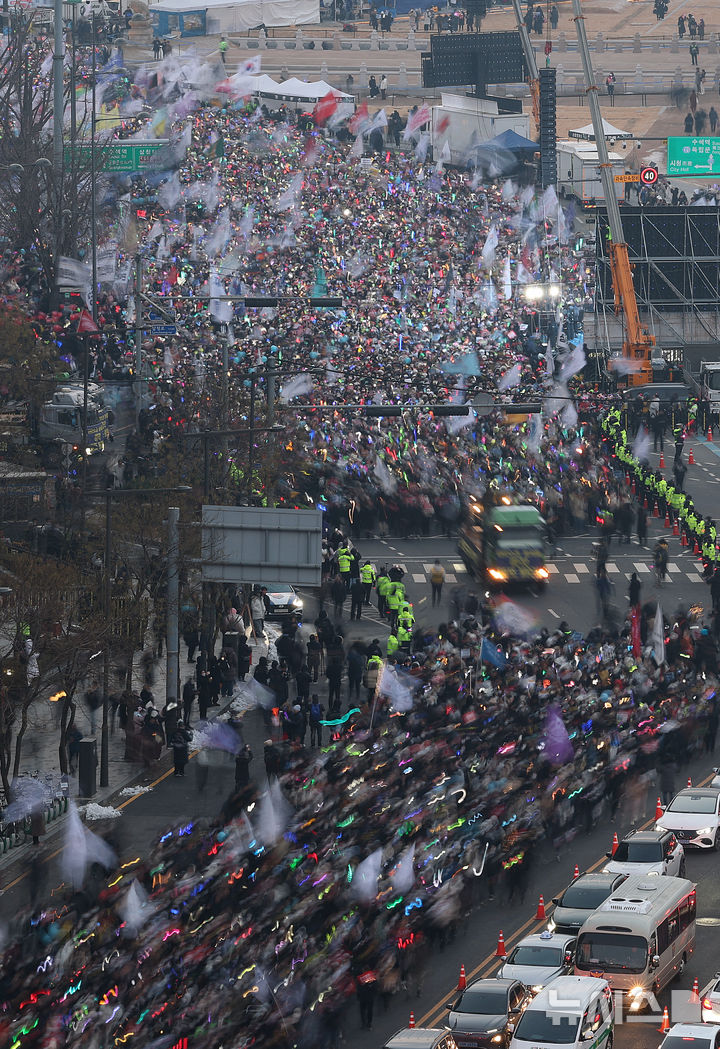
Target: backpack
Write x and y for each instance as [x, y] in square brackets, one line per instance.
[315, 711]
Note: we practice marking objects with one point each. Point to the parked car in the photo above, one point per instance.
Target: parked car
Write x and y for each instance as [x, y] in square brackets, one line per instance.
[694, 816]
[648, 852]
[480, 1017]
[710, 1001]
[421, 1038]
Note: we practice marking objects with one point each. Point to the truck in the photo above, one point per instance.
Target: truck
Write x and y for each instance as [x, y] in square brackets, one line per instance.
[704, 383]
[503, 543]
[578, 170]
[55, 423]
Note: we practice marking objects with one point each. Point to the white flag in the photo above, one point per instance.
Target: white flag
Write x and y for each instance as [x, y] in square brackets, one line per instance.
[250, 66]
[507, 279]
[549, 362]
[641, 445]
[357, 147]
[221, 312]
[574, 362]
[365, 878]
[385, 479]
[378, 121]
[421, 150]
[488, 252]
[657, 638]
[296, 387]
[535, 432]
[510, 378]
[290, 197]
[508, 190]
[403, 877]
[455, 423]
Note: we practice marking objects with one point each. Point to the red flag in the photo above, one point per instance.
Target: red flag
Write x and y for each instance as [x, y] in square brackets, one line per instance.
[86, 325]
[325, 108]
[635, 631]
[443, 125]
[358, 118]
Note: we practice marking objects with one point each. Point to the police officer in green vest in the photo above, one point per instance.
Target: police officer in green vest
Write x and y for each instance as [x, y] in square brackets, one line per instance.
[367, 578]
[404, 637]
[392, 645]
[344, 562]
[394, 596]
[383, 585]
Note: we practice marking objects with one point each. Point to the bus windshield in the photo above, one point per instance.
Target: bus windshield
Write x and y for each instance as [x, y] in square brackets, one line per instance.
[611, 952]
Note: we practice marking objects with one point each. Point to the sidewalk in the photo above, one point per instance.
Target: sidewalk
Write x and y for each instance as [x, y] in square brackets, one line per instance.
[40, 753]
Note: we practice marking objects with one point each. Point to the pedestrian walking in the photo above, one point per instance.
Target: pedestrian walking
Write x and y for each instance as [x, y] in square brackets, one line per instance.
[701, 29]
[357, 595]
[681, 26]
[610, 82]
[222, 48]
[383, 86]
[713, 117]
[694, 52]
[242, 768]
[338, 592]
[634, 590]
[257, 612]
[156, 47]
[554, 17]
[437, 578]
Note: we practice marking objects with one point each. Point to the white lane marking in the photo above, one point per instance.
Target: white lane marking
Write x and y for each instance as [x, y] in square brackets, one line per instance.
[418, 577]
[553, 613]
[570, 577]
[450, 577]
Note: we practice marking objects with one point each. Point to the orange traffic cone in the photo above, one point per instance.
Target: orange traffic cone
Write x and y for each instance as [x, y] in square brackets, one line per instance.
[462, 981]
[689, 781]
[662, 460]
[656, 511]
[683, 539]
[634, 487]
[658, 809]
[501, 952]
[709, 436]
[540, 915]
[696, 549]
[627, 480]
[691, 458]
[411, 1021]
[676, 530]
[615, 843]
[665, 1025]
[667, 519]
[695, 993]
[576, 872]
[645, 504]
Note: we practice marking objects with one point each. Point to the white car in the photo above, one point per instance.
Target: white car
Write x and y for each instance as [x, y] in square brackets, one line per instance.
[538, 959]
[694, 816]
[691, 1036]
[710, 1001]
[648, 852]
[715, 781]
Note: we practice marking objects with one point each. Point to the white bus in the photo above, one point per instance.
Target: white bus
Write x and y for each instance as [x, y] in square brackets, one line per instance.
[640, 937]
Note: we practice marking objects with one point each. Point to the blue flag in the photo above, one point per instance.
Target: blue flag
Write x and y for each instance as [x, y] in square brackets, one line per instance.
[490, 654]
[467, 364]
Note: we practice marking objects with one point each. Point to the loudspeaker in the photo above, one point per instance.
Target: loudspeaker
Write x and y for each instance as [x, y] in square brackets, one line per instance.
[548, 128]
[87, 767]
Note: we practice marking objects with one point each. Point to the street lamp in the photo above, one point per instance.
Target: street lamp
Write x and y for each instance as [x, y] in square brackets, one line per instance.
[172, 652]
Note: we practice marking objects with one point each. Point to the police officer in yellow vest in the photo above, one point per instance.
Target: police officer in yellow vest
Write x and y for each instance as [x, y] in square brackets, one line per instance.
[344, 561]
[372, 674]
[394, 596]
[392, 645]
[367, 578]
[383, 585]
[404, 637]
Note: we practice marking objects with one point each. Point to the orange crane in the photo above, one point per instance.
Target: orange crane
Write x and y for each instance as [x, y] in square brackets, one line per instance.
[638, 342]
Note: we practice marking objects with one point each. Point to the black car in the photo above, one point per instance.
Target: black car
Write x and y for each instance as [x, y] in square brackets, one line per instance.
[582, 896]
[479, 1018]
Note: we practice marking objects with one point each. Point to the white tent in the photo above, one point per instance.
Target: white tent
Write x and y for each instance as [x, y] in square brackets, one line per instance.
[587, 133]
[221, 16]
[298, 91]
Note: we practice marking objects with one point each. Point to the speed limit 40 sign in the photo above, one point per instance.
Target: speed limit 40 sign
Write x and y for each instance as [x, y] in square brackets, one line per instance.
[648, 176]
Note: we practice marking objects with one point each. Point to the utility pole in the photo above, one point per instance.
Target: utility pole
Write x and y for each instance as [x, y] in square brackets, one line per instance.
[173, 606]
[92, 179]
[58, 108]
[138, 336]
[104, 738]
[271, 375]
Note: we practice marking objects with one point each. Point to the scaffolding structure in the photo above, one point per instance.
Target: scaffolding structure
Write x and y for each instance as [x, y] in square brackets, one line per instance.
[675, 254]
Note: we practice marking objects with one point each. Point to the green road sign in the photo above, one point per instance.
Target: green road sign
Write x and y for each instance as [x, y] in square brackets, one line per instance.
[120, 156]
[694, 156]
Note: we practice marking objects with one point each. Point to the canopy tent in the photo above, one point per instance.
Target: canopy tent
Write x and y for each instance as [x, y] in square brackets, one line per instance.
[298, 91]
[587, 133]
[510, 139]
[200, 17]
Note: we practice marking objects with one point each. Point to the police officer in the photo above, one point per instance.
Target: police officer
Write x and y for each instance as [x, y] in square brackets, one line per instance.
[344, 563]
[367, 578]
[383, 585]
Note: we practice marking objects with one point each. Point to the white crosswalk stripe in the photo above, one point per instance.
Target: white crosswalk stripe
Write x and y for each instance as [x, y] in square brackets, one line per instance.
[418, 577]
[570, 577]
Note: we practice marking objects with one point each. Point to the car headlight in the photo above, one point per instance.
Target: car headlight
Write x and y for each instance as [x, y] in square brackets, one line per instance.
[636, 992]
[496, 574]
[297, 602]
[655, 873]
[659, 827]
[497, 1038]
[536, 988]
[703, 831]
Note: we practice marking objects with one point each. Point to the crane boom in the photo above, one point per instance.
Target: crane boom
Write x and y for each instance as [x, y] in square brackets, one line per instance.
[638, 343]
[533, 75]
